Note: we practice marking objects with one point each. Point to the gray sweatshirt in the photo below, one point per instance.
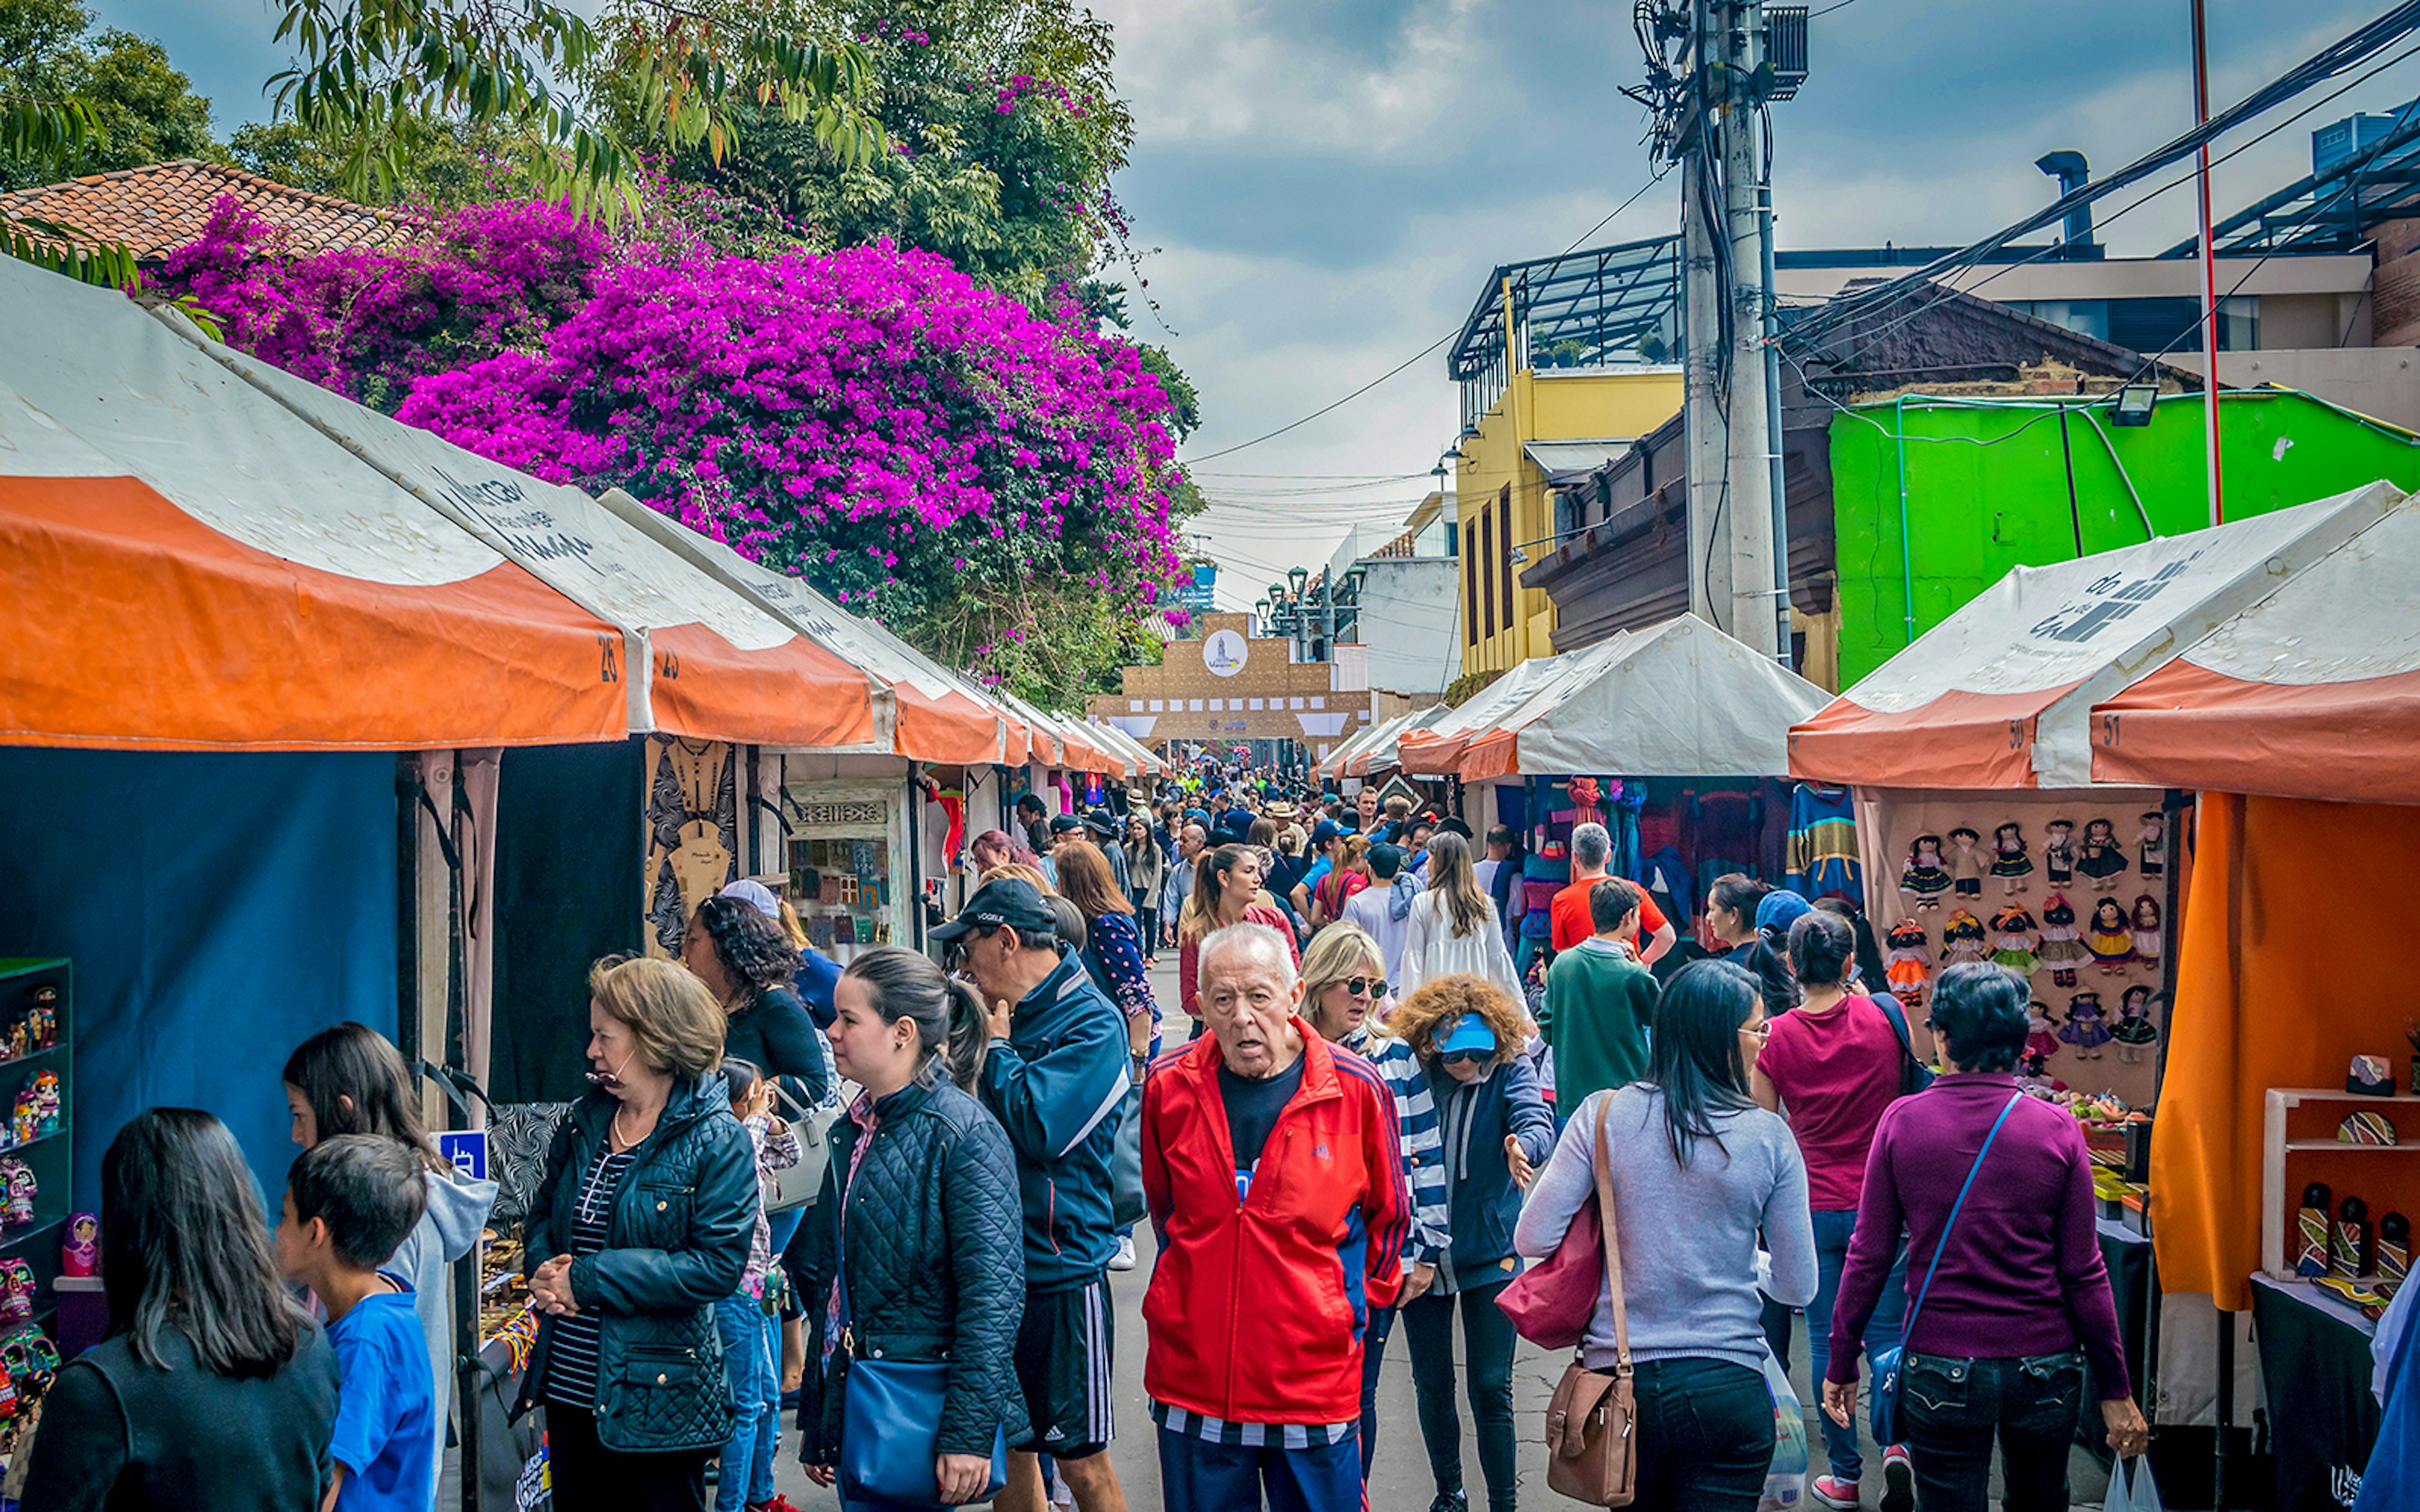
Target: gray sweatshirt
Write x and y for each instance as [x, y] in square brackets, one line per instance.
[457, 1209]
[1689, 1237]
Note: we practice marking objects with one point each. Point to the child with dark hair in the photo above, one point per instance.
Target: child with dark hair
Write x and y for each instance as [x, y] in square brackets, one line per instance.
[749, 1319]
[349, 1202]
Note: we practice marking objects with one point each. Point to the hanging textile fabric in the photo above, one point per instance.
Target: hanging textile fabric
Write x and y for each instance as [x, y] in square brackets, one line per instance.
[1823, 844]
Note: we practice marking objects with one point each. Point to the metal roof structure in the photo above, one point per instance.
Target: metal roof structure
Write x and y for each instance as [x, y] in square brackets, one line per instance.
[2327, 212]
[1588, 308]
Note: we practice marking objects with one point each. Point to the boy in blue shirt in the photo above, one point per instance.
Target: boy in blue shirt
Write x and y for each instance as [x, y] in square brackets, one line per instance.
[349, 1202]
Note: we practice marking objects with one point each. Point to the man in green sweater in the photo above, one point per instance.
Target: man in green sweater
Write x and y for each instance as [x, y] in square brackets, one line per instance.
[1600, 1000]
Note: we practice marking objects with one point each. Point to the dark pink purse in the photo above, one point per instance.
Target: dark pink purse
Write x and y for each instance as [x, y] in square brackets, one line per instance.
[1550, 1303]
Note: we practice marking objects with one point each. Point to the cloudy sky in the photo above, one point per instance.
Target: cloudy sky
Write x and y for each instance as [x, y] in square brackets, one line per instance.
[1327, 183]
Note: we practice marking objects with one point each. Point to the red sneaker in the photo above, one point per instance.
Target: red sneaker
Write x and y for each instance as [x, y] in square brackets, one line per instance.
[1833, 1492]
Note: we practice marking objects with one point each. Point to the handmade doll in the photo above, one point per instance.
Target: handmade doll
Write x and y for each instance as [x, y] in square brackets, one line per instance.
[2011, 863]
[1963, 940]
[2148, 935]
[2087, 1027]
[2037, 1082]
[1908, 968]
[2134, 1031]
[2062, 943]
[1925, 879]
[1965, 862]
[2042, 1030]
[81, 1254]
[2059, 852]
[2151, 844]
[2109, 938]
[2100, 857]
[2012, 940]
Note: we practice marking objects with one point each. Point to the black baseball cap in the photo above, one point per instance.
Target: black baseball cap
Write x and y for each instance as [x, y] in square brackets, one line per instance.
[1060, 824]
[1102, 822]
[1012, 902]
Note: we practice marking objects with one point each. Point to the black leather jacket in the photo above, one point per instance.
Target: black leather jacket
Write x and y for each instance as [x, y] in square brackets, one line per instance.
[935, 1262]
[682, 1222]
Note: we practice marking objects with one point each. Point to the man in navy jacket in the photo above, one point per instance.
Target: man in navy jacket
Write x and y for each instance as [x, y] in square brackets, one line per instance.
[1056, 1076]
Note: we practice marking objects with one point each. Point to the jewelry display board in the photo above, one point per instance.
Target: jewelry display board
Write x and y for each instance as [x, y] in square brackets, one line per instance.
[847, 875]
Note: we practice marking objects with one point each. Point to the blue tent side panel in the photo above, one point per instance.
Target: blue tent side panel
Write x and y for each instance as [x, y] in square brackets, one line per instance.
[219, 908]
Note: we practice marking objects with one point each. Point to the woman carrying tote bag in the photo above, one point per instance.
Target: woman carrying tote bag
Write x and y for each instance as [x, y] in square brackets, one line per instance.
[1693, 1170]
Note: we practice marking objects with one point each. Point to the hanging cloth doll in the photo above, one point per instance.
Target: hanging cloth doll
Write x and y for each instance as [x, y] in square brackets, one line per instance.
[1908, 968]
[1966, 862]
[1963, 940]
[2100, 857]
[2148, 935]
[2012, 940]
[2041, 1032]
[2151, 844]
[1926, 879]
[2059, 852]
[2135, 1030]
[2011, 863]
[2088, 1028]
[2109, 939]
[2062, 943]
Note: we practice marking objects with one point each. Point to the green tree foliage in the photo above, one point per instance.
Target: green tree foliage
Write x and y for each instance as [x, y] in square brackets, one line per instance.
[457, 164]
[75, 102]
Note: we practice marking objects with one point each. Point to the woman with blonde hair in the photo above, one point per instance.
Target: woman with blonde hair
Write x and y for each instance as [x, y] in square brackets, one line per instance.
[1344, 991]
[1349, 875]
[1452, 927]
[1469, 1035]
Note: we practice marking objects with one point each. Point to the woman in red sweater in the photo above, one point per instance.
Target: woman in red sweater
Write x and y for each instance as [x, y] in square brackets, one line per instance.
[1225, 883]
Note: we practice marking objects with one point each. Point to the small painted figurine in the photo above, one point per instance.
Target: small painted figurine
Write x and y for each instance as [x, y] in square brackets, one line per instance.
[17, 1306]
[2148, 935]
[46, 1105]
[81, 1254]
[2134, 1031]
[2062, 944]
[2059, 852]
[2088, 1028]
[22, 1120]
[18, 1191]
[1926, 879]
[1966, 866]
[1909, 965]
[42, 1016]
[2011, 863]
[2151, 844]
[2109, 938]
[2100, 857]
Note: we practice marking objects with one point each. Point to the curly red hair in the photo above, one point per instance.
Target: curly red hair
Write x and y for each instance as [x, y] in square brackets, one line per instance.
[1419, 1017]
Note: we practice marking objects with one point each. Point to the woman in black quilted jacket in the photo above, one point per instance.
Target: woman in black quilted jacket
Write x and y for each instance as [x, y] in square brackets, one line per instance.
[920, 1206]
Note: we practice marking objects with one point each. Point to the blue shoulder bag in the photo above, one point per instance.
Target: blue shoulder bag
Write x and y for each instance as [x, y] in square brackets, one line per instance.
[890, 1418]
[1883, 1414]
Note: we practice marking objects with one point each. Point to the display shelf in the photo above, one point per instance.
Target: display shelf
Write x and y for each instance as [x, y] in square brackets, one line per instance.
[2347, 1145]
[49, 1157]
[2279, 1105]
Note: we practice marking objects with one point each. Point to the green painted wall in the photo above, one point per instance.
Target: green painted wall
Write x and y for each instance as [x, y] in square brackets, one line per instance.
[1986, 490]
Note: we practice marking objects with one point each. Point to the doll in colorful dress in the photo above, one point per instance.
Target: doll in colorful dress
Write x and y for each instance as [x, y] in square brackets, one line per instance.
[2148, 935]
[2039, 1082]
[2100, 857]
[2011, 863]
[2012, 940]
[1966, 862]
[1908, 968]
[2087, 1027]
[1926, 879]
[2062, 944]
[1962, 941]
[2059, 852]
[2151, 844]
[2041, 1032]
[2109, 937]
[2134, 1031]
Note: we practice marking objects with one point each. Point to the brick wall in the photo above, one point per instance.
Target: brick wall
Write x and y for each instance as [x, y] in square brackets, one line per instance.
[1268, 697]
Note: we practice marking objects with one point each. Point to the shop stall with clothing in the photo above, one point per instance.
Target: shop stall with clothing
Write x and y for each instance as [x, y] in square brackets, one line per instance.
[2275, 1186]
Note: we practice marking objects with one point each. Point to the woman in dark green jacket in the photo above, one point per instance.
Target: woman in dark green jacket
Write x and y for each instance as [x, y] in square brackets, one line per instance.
[642, 1224]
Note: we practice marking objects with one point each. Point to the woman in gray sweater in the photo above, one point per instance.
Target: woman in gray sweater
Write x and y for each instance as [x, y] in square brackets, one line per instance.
[1698, 1170]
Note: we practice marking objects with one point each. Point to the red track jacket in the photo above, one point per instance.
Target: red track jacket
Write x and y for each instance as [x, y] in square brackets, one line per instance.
[1257, 1306]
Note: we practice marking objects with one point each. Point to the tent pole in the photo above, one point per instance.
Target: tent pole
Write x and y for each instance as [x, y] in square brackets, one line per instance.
[2174, 805]
[913, 904]
[2219, 1501]
[407, 911]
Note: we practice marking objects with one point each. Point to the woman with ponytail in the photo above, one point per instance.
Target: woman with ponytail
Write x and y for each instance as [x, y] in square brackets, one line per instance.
[920, 1207]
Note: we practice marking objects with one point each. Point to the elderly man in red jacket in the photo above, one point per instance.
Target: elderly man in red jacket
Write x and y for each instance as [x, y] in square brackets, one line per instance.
[1275, 1177]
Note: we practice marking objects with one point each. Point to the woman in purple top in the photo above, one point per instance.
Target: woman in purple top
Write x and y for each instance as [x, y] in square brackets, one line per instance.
[2021, 1301]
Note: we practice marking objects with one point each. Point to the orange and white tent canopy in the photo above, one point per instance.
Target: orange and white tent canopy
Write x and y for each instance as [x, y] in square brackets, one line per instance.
[1331, 765]
[1383, 754]
[1999, 695]
[1140, 758]
[189, 565]
[2313, 692]
[1436, 750]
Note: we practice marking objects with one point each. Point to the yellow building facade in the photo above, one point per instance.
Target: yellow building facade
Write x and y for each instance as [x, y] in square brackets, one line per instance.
[1504, 498]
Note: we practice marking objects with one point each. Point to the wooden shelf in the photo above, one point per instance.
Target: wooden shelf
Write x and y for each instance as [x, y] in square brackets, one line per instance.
[2346, 1144]
[2278, 1102]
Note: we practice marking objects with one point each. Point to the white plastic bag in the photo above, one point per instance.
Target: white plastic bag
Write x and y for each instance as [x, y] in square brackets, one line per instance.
[1787, 1480]
[2141, 1495]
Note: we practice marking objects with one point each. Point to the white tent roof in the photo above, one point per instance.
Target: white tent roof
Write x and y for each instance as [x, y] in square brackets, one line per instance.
[1332, 765]
[1383, 753]
[1437, 751]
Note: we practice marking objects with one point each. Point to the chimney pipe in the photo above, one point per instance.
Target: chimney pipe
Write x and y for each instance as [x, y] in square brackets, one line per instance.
[2072, 174]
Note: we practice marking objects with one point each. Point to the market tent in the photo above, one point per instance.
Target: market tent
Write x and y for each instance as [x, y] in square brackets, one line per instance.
[703, 661]
[1137, 755]
[1680, 697]
[1436, 750]
[189, 565]
[1999, 694]
[1384, 753]
[1331, 765]
[930, 714]
[2313, 692]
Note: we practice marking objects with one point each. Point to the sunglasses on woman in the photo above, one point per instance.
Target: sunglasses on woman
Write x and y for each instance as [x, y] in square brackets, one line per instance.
[1468, 1057]
[1372, 988]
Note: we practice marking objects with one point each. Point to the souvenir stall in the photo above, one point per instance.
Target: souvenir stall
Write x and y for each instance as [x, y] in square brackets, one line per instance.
[1984, 835]
[1435, 753]
[2284, 1178]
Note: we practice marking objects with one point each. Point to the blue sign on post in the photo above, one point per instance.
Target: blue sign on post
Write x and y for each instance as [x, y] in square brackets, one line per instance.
[466, 1150]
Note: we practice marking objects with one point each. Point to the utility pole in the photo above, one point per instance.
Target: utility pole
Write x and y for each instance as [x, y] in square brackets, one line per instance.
[2209, 276]
[1708, 437]
[1750, 464]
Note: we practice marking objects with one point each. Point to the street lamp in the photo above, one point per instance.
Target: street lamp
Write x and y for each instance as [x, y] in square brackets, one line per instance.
[1261, 608]
[1298, 577]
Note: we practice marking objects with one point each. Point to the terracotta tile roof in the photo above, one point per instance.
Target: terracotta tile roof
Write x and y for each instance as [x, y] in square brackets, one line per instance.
[165, 206]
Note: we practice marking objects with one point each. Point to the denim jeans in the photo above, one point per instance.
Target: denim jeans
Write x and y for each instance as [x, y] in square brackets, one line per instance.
[1832, 1231]
[1705, 1436]
[1373, 1354]
[1951, 1409]
[1487, 1356]
[752, 1353]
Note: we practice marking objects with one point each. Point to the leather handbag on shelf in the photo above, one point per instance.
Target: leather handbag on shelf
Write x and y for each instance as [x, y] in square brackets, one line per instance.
[1592, 1423]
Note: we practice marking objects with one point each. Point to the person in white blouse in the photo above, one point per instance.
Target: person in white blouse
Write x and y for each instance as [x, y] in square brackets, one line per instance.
[1453, 927]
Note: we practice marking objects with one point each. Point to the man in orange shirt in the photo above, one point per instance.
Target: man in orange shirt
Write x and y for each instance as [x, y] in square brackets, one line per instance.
[1591, 853]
